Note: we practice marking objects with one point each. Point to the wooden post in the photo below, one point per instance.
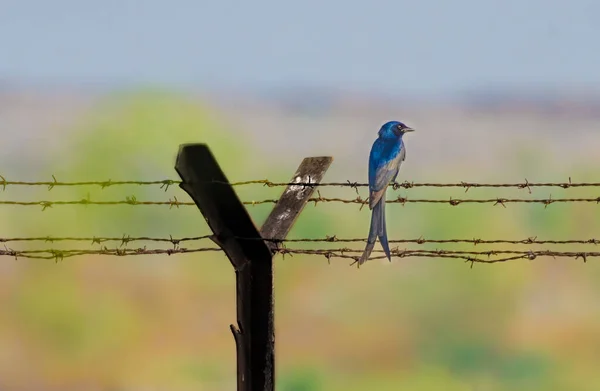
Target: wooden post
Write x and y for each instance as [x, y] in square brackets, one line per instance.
[250, 254]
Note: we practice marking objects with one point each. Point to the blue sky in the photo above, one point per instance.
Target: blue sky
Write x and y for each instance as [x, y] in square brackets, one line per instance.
[394, 46]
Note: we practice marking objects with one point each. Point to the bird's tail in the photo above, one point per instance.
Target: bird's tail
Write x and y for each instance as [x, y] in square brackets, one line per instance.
[383, 238]
[376, 230]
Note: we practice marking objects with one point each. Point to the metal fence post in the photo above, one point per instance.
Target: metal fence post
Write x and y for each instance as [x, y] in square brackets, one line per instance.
[249, 251]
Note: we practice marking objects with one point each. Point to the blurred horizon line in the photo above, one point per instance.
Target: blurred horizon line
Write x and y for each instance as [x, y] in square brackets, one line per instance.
[319, 98]
[546, 93]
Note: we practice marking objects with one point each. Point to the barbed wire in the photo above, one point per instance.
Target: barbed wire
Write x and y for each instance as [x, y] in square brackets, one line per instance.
[133, 201]
[126, 239]
[166, 183]
[344, 253]
[489, 256]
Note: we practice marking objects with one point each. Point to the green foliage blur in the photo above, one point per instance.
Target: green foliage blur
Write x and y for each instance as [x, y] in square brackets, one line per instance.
[162, 322]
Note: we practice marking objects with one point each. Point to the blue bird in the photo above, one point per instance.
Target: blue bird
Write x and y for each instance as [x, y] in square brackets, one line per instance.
[387, 154]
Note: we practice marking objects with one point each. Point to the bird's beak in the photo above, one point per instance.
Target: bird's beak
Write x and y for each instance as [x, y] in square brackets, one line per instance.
[407, 129]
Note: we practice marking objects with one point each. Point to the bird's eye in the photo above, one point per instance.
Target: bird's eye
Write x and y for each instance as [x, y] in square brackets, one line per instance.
[397, 130]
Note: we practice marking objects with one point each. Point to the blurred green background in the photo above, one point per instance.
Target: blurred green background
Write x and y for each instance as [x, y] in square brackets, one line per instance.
[161, 322]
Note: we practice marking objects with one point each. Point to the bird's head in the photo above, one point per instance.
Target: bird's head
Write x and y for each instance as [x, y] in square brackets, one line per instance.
[394, 129]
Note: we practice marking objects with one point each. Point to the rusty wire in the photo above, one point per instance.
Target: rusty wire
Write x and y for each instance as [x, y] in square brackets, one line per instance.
[125, 239]
[344, 253]
[174, 202]
[166, 183]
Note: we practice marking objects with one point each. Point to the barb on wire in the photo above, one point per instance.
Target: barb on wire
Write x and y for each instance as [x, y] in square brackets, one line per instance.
[133, 201]
[126, 239]
[344, 253]
[166, 183]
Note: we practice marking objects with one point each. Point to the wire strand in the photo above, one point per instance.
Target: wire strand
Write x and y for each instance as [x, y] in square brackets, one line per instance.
[133, 201]
[125, 239]
[344, 253]
[166, 183]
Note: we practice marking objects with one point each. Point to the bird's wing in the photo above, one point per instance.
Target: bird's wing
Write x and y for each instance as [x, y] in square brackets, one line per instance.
[382, 170]
[402, 158]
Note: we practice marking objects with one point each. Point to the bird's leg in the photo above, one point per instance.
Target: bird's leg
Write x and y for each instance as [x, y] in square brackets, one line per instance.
[395, 176]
